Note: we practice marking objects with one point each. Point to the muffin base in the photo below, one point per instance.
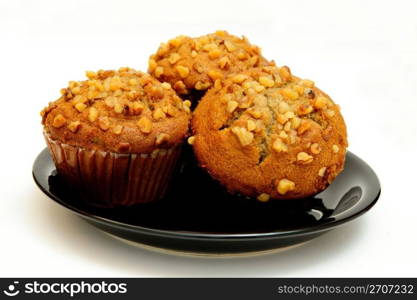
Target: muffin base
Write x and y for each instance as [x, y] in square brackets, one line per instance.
[108, 179]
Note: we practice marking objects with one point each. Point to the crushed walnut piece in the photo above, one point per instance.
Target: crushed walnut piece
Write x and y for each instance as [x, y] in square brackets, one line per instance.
[263, 197]
[59, 121]
[284, 186]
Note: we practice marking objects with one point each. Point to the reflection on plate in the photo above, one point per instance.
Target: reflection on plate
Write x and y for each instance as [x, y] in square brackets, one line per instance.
[199, 216]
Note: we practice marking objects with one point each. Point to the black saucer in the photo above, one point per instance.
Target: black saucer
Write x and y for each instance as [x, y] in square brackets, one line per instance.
[199, 216]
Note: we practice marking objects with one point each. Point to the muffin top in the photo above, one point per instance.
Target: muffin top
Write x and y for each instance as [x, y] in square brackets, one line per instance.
[191, 64]
[265, 133]
[123, 111]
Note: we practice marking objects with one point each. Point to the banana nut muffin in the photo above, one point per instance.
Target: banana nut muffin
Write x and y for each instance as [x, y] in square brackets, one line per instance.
[193, 65]
[268, 134]
[117, 135]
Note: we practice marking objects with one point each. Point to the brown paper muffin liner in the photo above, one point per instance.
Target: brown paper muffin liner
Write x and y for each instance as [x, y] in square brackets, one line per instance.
[108, 179]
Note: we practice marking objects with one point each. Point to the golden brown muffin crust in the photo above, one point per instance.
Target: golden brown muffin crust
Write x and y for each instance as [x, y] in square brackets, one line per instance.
[196, 63]
[265, 133]
[118, 111]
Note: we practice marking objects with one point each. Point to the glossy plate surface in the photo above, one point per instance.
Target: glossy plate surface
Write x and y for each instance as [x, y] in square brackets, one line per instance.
[198, 216]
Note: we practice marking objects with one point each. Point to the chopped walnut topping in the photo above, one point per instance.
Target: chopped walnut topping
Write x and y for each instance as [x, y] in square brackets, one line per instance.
[152, 65]
[169, 110]
[224, 62]
[242, 55]
[304, 109]
[115, 83]
[283, 107]
[176, 41]
[159, 71]
[74, 126]
[295, 122]
[161, 138]
[80, 107]
[279, 146]
[199, 68]
[186, 108]
[285, 185]
[202, 85]
[255, 113]
[173, 58]
[118, 108]
[253, 60]
[80, 99]
[285, 73]
[214, 74]
[133, 81]
[258, 88]
[76, 90]
[59, 121]
[322, 171]
[158, 114]
[304, 157]
[266, 81]
[187, 103]
[320, 102]
[163, 49]
[283, 135]
[117, 129]
[289, 93]
[145, 125]
[239, 78]
[231, 106]
[109, 101]
[251, 125]
[330, 113]
[215, 53]
[92, 114]
[315, 148]
[165, 85]
[287, 126]
[299, 89]
[210, 47]
[263, 197]
[229, 46]
[281, 119]
[191, 140]
[183, 71]
[91, 74]
[104, 123]
[289, 115]
[245, 137]
[137, 107]
[218, 84]
[180, 87]
[303, 127]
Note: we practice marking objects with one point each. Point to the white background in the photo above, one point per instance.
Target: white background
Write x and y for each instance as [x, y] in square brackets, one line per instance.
[363, 53]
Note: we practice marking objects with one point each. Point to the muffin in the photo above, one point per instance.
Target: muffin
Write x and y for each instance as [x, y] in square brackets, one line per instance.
[193, 65]
[265, 133]
[116, 136]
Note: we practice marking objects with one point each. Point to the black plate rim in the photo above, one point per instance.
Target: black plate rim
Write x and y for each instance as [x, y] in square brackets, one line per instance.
[212, 236]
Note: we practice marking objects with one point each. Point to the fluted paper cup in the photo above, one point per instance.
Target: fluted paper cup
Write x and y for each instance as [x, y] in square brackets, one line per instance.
[108, 179]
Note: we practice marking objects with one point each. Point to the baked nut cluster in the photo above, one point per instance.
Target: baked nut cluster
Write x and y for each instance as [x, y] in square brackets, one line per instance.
[197, 64]
[268, 134]
[118, 111]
